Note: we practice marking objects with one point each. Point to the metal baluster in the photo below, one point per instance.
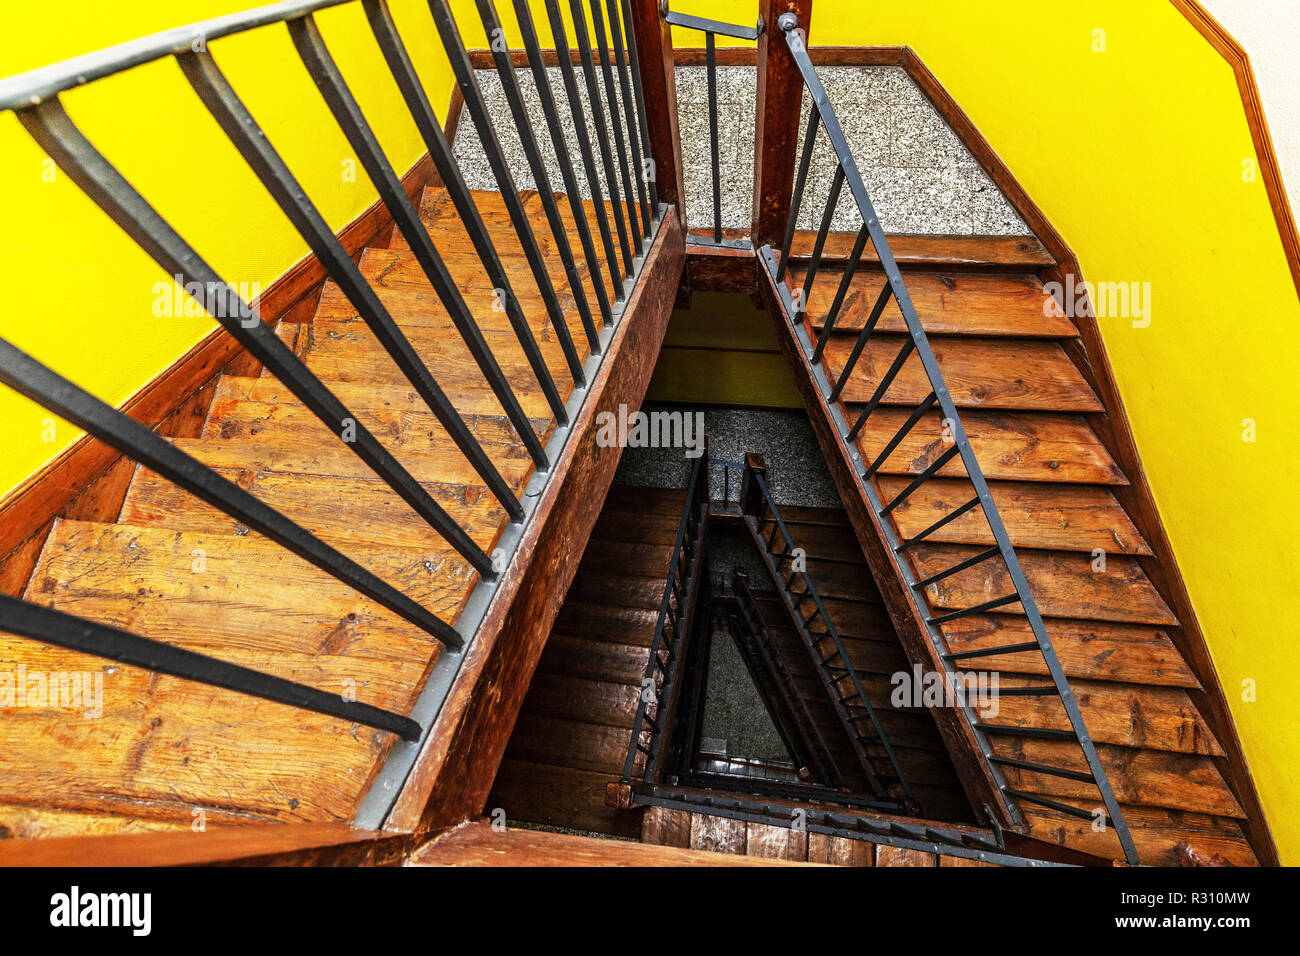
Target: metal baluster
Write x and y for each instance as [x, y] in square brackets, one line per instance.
[239, 126]
[55, 132]
[632, 105]
[602, 130]
[533, 155]
[629, 196]
[465, 78]
[579, 212]
[426, 121]
[564, 60]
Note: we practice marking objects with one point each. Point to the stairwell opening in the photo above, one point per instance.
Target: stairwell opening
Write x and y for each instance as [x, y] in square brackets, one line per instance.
[720, 361]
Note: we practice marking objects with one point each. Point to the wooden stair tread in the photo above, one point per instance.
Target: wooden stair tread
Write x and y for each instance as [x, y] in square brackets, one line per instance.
[343, 512]
[349, 352]
[1028, 446]
[1155, 778]
[1030, 375]
[359, 396]
[297, 441]
[248, 592]
[1063, 584]
[1163, 837]
[955, 304]
[1130, 653]
[1128, 715]
[1036, 515]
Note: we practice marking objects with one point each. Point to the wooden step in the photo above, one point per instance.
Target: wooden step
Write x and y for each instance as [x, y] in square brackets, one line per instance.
[1131, 653]
[380, 398]
[349, 352]
[176, 744]
[1163, 837]
[1036, 515]
[294, 440]
[1063, 584]
[1128, 715]
[595, 747]
[563, 696]
[217, 593]
[1149, 778]
[1032, 375]
[1022, 446]
[343, 512]
[596, 660]
[947, 304]
[559, 796]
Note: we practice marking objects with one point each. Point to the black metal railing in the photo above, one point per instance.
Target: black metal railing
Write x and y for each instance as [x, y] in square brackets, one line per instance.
[786, 705]
[34, 98]
[787, 566]
[712, 29]
[822, 118]
[660, 683]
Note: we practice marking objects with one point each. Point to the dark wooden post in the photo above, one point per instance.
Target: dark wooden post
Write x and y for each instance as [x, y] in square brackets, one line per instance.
[751, 496]
[654, 47]
[776, 139]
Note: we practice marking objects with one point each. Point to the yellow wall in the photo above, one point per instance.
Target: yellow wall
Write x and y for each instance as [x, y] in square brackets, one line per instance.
[1135, 154]
[79, 295]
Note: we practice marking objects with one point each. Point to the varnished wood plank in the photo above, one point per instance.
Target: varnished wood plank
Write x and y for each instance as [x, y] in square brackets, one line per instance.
[838, 851]
[1032, 375]
[595, 660]
[341, 511]
[667, 827]
[900, 856]
[1129, 715]
[1063, 584]
[1162, 837]
[958, 304]
[1152, 778]
[577, 698]
[1025, 446]
[717, 834]
[775, 843]
[1137, 654]
[558, 796]
[1036, 515]
[304, 844]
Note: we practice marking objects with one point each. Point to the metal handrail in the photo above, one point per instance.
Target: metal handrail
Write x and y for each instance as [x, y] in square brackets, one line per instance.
[34, 98]
[751, 628]
[673, 626]
[822, 116]
[754, 518]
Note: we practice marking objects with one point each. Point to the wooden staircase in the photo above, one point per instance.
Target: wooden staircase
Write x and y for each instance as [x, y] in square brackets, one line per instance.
[166, 752]
[1006, 355]
[854, 605]
[571, 738]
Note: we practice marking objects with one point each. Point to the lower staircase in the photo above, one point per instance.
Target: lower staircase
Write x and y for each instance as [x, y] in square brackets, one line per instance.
[165, 752]
[571, 738]
[1008, 356]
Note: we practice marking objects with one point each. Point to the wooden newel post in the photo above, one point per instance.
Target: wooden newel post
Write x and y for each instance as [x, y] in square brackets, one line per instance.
[776, 139]
[654, 46]
[751, 496]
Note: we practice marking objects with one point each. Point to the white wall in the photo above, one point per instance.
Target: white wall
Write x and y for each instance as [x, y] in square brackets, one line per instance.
[1270, 32]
